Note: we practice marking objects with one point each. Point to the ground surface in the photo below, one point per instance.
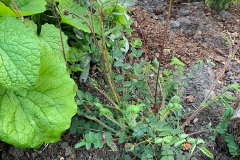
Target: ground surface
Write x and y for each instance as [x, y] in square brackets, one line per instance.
[194, 33]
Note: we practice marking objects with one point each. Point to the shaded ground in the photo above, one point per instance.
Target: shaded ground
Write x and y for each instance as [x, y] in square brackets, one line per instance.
[194, 33]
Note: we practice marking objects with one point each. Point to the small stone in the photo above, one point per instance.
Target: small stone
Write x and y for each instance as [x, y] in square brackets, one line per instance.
[173, 24]
[184, 22]
[68, 151]
[185, 13]
[231, 77]
[195, 120]
[225, 14]
[212, 94]
[166, 51]
[209, 27]
[64, 145]
[16, 152]
[34, 155]
[236, 114]
[229, 73]
[235, 34]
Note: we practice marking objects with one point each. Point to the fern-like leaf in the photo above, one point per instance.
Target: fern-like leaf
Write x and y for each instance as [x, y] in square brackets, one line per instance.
[206, 152]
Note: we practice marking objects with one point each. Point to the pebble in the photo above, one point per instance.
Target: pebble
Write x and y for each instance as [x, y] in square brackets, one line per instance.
[225, 14]
[173, 24]
[208, 27]
[184, 22]
[64, 145]
[16, 152]
[68, 151]
[185, 12]
[229, 73]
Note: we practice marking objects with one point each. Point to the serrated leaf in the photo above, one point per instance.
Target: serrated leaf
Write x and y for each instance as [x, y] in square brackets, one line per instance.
[176, 61]
[165, 133]
[158, 140]
[29, 118]
[191, 140]
[183, 136]
[80, 144]
[199, 141]
[26, 7]
[109, 138]
[88, 145]
[206, 152]
[192, 148]
[167, 139]
[98, 143]
[190, 75]
[233, 147]
[167, 158]
[167, 152]
[19, 54]
[179, 142]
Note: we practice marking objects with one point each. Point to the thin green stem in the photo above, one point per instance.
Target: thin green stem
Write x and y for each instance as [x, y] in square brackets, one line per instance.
[114, 121]
[100, 122]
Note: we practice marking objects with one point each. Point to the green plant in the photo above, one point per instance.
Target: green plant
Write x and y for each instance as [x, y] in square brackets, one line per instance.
[233, 147]
[37, 96]
[128, 112]
[224, 98]
[87, 21]
[128, 115]
[219, 4]
[133, 121]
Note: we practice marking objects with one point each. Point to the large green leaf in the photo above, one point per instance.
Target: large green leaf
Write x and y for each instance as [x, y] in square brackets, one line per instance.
[26, 7]
[19, 54]
[50, 38]
[40, 114]
[78, 16]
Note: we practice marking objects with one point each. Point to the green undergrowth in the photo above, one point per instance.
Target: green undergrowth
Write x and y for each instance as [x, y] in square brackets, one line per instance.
[220, 4]
[56, 40]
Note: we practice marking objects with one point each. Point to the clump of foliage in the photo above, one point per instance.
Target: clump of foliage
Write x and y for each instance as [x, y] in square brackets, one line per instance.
[127, 115]
[220, 4]
[128, 87]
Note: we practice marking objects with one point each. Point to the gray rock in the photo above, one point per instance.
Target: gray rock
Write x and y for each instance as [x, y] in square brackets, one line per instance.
[185, 12]
[184, 22]
[229, 73]
[68, 151]
[231, 78]
[209, 27]
[225, 14]
[173, 24]
[64, 145]
[16, 152]
[199, 85]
